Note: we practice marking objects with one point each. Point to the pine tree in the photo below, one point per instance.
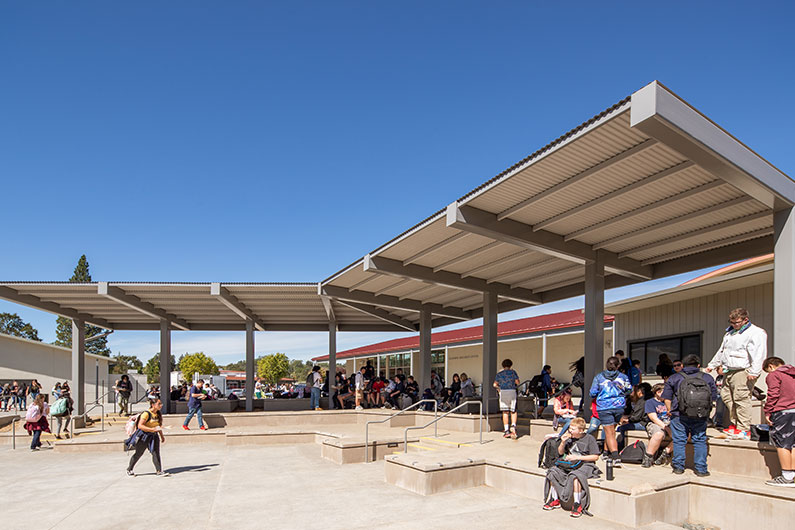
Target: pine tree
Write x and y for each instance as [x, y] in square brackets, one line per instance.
[63, 331]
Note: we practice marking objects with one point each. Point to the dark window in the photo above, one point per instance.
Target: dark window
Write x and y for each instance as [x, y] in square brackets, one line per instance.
[649, 351]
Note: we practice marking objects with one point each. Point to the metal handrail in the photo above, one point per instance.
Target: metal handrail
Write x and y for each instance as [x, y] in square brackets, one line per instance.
[367, 425]
[434, 421]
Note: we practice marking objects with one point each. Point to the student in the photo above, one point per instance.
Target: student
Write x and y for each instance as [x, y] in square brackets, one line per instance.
[684, 423]
[412, 389]
[577, 368]
[34, 389]
[657, 428]
[467, 386]
[624, 364]
[610, 389]
[506, 382]
[376, 396]
[569, 479]
[634, 418]
[544, 388]
[5, 396]
[148, 435]
[780, 414]
[195, 405]
[564, 411]
[66, 415]
[36, 421]
[436, 384]
[123, 389]
[317, 383]
[665, 368]
[359, 387]
[393, 397]
[635, 376]
[455, 390]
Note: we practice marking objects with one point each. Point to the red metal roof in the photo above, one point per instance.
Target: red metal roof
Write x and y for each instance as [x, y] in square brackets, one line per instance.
[566, 319]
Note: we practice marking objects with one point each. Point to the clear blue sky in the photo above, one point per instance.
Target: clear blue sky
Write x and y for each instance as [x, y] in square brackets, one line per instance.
[280, 141]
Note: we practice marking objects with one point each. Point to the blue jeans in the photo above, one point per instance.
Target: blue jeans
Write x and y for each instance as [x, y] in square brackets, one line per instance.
[697, 429]
[594, 426]
[563, 423]
[35, 443]
[314, 398]
[191, 412]
[621, 437]
[22, 402]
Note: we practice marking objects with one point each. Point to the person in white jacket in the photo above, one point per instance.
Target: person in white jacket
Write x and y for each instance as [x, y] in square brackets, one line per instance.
[739, 358]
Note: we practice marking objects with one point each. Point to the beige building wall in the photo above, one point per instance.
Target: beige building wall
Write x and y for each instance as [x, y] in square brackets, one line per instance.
[27, 359]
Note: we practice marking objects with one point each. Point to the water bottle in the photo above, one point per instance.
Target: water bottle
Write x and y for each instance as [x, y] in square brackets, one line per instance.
[609, 468]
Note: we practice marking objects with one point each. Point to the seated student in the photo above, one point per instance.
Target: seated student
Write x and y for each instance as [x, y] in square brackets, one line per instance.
[564, 411]
[568, 478]
[393, 397]
[634, 418]
[635, 375]
[657, 427]
[346, 393]
[467, 386]
[412, 389]
[376, 396]
[455, 390]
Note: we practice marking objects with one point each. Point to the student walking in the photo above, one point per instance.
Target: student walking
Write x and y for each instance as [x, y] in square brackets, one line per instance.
[148, 435]
[123, 390]
[780, 414]
[740, 356]
[610, 388]
[36, 421]
[688, 395]
[62, 410]
[506, 383]
[195, 405]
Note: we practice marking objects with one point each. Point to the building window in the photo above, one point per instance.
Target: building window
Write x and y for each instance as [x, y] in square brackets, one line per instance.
[648, 351]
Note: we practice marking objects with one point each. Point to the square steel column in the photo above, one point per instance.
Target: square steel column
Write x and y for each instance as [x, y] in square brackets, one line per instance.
[332, 361]
[489, 352]
[423, 365]
[165, 366]
[249, 365]
[784, 286]
[594, 326]
[79, 366]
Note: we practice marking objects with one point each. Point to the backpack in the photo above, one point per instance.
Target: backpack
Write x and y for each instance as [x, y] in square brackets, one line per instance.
[60, 407]
[694, 397]
[548, 454]
[132, 424]
[310, 380]
[536, 384]
[633, 454]
[33, 414]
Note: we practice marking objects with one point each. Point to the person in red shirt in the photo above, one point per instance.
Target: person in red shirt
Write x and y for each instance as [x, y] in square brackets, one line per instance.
[780, 414]
[376, 395]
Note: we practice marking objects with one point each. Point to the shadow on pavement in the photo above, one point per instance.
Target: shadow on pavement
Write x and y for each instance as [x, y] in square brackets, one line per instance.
[190, 469]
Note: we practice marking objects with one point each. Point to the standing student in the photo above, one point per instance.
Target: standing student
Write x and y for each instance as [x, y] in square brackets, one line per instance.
[148, 435]
[359, 387]
[544, 388]
[780, 414]
[741, 353]
[578, 378]
[34, 389]
[317, 383]
[65, 415]
[690, 418]
[195, 405]
[610, 388]
[36, 421]
[635, 376]
[22, 396]
[506, 383]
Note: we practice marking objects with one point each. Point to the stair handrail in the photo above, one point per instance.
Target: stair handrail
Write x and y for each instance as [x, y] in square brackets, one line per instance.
[436, 420]
[367, 425]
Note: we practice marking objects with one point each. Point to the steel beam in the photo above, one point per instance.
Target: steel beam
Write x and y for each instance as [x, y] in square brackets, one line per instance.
[222, 294]
[79, 366]
[762, 232]
[117, 294]
[593, 170]
[522, 235]
[332, 362]
[433, 248]
[165, 366]
[35, 302]
[341, 293]
[594, 324]
[423, 367]
[784, 287]
[328, 307]
[382, 314]
[391, 267]
[489, 351]
[249, 365]
[467, 255]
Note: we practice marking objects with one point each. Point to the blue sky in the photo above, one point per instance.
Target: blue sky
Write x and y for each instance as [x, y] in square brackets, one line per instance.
[280, 141]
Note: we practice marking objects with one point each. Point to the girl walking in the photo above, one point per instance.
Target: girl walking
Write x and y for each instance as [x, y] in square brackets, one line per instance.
[36, 421]
[148, 435]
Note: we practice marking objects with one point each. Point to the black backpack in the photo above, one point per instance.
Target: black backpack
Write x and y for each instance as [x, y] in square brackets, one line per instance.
[694, 397]
[633, 454]
[536, 384]
[548, 454]
[310, 380]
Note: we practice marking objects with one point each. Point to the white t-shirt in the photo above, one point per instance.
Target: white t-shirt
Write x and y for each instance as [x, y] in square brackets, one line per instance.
[317, 380]
[359, 381]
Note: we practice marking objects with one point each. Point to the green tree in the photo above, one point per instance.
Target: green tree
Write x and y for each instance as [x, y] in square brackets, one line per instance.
[190, 363]
[273, 367]
[299, 369]
[152, 368]
[12, 324]
[125, 363]
[63, 331]
[239, 366]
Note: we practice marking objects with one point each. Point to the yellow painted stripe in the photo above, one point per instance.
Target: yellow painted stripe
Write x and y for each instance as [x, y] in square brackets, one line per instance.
[424, 448]
[436, 440]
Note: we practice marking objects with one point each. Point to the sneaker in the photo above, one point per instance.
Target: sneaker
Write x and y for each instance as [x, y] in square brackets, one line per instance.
[702, 474]
[513, 432]
[203, 427]
[551, 505]
[779, 481]
[678, 471]
[731, 429]
[163, 474]
[663, 460]
[605, 456]
[359, 408]
[648, 460]
[318, 408]
[576, 510]
[742, 435]
[617, 462]
[130, 473]
[506, 434]
[185, 427]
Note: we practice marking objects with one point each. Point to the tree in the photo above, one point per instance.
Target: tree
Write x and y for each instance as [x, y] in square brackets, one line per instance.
[12, 324]
[125, 363]
[152, 368]
[273, 367]
[239, 366]
[63, 331]
[190, 363]
[298, 369]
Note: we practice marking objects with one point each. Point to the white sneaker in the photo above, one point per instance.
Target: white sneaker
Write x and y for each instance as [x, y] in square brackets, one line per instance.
[359, 408]
[781, 482]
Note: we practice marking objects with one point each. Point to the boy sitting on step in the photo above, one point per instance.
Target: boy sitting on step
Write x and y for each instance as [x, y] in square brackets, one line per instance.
[567, 480]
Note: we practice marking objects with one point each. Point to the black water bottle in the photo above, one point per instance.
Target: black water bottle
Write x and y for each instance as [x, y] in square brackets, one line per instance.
[609, 468]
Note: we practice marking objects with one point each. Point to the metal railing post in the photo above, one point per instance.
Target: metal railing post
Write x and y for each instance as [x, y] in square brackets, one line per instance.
[436, 420]
[367, 425]
[14, 432]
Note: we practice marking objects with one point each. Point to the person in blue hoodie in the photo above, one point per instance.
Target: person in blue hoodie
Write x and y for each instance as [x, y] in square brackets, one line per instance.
[610, 389]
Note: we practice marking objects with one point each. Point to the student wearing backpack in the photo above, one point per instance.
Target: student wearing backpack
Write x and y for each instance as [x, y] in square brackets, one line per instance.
[36, 421]
[148, 435]
[62, 410]
[688, 395]
[611, 388]
[314, 382]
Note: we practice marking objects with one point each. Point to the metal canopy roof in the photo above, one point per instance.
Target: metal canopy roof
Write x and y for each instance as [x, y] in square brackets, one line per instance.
[193, 306]
[650, 187]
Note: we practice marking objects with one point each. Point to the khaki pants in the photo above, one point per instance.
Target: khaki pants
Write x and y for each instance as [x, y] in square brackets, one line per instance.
[736, 395]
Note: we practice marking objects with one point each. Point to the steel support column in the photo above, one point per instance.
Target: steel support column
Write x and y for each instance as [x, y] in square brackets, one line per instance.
[79, 366]
[165, 366]
[332, 361]
[594, 325]
[784, 286]
[249, 365]
[489, 351]
[423, 364]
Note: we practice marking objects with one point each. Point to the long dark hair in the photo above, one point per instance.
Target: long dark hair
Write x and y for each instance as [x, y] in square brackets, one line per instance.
[578, 365]
[158, 414]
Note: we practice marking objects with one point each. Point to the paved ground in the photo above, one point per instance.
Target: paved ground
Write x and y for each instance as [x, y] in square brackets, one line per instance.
[218, 486]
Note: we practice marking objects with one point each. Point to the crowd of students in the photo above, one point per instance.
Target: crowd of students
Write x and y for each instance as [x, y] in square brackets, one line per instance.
[16, 394]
